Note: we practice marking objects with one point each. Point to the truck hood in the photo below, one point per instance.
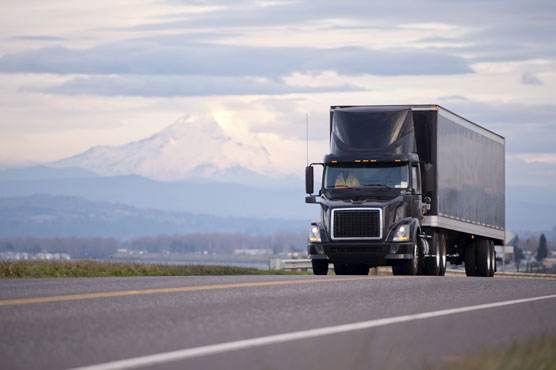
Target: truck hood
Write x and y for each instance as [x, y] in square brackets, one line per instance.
[363, 201]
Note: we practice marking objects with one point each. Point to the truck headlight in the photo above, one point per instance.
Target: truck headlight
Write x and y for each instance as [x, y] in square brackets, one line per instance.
[314, 234]
[401, 234]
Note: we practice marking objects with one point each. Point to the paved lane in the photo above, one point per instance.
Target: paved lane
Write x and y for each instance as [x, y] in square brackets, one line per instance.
[64, 334]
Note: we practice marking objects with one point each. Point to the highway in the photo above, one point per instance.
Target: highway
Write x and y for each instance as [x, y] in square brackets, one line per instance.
[266, 322]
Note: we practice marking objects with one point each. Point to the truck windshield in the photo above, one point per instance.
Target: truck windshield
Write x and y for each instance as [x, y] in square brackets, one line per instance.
[366, 175]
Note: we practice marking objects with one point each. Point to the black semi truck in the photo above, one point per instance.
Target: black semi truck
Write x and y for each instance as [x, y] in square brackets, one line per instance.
[410, 187]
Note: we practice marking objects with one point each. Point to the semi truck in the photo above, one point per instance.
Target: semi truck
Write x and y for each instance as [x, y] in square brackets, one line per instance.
[412, 187]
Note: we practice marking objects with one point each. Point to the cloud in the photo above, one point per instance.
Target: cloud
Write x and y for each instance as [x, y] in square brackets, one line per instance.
[36, 38]
[530, 79]
[228, 60]
[281, 13]
[533, 174]
[168, 86]
[490, 31]
[510, 14]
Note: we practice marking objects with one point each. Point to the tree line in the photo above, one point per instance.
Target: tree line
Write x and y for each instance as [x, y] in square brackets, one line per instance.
[213, 243]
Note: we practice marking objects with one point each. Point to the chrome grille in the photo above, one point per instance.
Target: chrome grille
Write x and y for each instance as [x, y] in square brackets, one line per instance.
[357, 223]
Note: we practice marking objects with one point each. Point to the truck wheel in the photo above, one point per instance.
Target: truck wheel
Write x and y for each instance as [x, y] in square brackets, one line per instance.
[356, 269]
[492, 259]
[470, 260]
[320, 267]
[397, 269]
[443, 254]
[436, 266]
[340, 269]
[414, 266]
[483, 258]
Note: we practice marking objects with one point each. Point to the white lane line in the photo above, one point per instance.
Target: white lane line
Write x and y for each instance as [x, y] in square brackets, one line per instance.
[281, 338]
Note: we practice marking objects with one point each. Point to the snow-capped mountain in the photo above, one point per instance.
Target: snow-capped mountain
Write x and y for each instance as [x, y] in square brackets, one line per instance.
[193, 148]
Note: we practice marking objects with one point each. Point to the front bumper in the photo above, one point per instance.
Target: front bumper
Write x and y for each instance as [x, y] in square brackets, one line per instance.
[372, 253]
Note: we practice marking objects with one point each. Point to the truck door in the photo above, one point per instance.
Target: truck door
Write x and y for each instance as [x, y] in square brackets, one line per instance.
[416, 185]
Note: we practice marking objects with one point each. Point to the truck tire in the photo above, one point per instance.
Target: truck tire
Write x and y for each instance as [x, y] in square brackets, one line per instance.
[483, 257]
[492, 259]
[340, 269]
[443, 254]
[414, 266]
[320, 267]
[470, 260]
[436, 266]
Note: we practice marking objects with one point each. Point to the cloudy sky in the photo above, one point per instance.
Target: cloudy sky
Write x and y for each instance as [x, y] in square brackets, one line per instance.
[76, 75]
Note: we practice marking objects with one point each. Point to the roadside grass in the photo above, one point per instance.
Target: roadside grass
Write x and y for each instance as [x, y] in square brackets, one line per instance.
[538, 354]
[89, 268]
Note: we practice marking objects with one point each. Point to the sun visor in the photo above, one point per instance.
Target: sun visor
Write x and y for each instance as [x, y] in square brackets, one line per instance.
[368, 130]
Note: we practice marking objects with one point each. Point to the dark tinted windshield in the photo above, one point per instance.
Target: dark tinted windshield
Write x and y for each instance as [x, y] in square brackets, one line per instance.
[366, 175]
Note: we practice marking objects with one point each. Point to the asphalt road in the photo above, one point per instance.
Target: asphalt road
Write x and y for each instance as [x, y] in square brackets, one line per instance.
[95, 326]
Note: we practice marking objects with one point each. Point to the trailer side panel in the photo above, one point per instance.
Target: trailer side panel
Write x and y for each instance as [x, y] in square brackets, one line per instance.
[470, 175]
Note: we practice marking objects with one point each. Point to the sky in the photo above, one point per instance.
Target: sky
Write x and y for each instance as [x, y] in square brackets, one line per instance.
[76, 74]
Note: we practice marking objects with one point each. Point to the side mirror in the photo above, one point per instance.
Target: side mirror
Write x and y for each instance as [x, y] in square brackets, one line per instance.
[427, 178]
[309, 186]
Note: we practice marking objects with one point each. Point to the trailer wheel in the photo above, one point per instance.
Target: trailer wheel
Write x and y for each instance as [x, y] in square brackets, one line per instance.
[484, 263]
[470, 260]
[340, 269]
[320, 267]
[492, 259]
[436, 266]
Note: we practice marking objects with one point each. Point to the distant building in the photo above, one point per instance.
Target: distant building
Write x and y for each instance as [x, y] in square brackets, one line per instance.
[253, 252]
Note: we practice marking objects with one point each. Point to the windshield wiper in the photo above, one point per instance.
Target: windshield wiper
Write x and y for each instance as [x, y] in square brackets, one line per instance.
[377, 186]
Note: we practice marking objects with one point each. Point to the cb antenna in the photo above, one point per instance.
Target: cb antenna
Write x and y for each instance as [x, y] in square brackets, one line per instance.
[307, 134]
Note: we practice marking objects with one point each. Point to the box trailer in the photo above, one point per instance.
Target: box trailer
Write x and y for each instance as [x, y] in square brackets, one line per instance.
[411, 187]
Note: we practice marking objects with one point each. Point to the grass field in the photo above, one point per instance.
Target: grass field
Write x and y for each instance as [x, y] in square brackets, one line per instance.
[88, 268]
[536, 354]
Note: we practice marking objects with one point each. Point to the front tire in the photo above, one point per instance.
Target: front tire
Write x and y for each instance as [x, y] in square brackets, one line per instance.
[413, 266]
[320, 267]
[397, 269]
[340, 269]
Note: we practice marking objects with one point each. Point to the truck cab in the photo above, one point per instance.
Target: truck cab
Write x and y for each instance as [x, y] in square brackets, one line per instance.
[371, 211]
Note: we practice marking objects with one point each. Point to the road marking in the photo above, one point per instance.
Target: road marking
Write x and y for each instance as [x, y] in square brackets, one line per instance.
[74, 297]
[287, 337]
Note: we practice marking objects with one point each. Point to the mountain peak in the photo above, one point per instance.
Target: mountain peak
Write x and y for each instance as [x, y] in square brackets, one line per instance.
[192, 147]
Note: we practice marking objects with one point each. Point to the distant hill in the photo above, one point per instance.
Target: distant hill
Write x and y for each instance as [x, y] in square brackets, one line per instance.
[64, 216]
[39, 172]
[216, 198]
